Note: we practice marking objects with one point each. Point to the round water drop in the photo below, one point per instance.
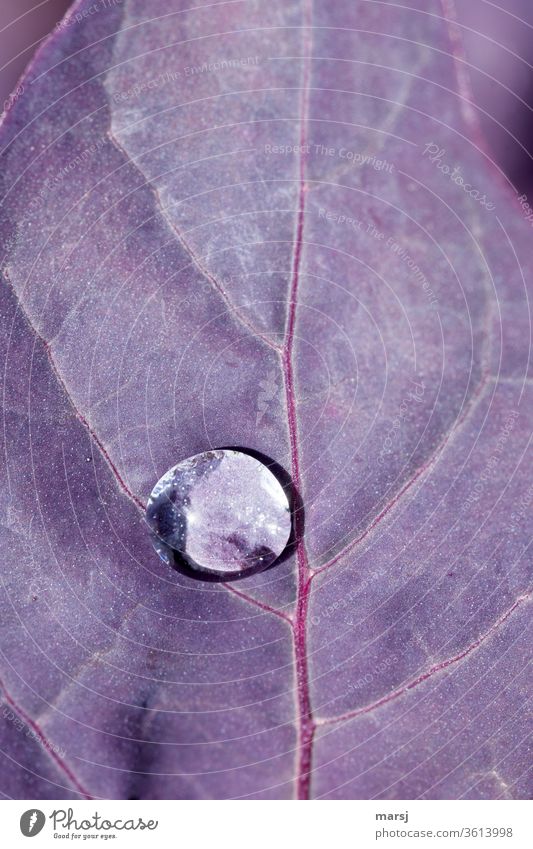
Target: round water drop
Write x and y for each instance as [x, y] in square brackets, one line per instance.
[223, 512]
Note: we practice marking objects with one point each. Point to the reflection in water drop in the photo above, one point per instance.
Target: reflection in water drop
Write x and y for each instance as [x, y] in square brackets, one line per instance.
[222, 511]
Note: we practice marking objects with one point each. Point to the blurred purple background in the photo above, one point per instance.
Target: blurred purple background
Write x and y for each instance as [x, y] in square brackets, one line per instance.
[498, 42]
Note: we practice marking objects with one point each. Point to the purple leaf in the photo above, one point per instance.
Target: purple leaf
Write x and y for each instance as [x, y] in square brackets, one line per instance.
[273, 226]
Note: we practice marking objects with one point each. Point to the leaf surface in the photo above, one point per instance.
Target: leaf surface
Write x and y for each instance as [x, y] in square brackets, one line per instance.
[225, 225]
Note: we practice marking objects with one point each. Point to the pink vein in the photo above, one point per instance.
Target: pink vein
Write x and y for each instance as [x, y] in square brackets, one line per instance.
[462, 75]
[188, 249]
[306, 725]
[476, 395]
[374, 522]
[261, 604]
[120, 480]
[81, 418]
[45, 743]
[438, 667]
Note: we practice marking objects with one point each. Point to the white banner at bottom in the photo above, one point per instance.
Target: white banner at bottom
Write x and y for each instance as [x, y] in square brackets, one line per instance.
[260, 825]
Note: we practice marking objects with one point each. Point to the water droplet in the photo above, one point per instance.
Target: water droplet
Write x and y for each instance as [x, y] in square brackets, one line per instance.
[223, 511]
